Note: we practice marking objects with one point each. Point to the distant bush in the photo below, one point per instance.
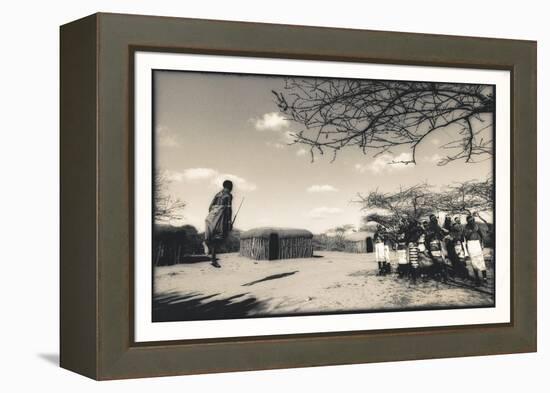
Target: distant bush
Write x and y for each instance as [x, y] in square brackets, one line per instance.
[320, 242]
[172, 244]
[324, 242]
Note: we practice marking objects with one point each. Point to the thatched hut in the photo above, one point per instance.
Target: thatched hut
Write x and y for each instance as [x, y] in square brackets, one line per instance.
[359, 242]
[276, 243]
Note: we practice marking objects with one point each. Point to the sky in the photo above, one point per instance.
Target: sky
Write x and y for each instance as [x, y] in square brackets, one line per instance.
[210, 127]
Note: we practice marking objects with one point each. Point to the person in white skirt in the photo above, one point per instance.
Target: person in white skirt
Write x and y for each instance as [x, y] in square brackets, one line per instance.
[381, 250]
[473, 237]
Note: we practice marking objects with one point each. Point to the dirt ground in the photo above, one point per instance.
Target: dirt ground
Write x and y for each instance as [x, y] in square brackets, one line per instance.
[328, 282]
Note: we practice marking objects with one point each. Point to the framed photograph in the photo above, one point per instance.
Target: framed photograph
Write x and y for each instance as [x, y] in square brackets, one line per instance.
[240, 196]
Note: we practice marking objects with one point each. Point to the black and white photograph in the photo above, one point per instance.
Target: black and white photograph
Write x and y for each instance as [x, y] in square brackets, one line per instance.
[285, 195]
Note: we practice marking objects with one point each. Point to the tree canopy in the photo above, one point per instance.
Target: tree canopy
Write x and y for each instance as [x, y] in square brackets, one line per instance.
[469, 197]
[380, 115]
[392, 210]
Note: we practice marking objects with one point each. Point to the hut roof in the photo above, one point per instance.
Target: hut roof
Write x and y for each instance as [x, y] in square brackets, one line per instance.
[358, 236]
[284, 233]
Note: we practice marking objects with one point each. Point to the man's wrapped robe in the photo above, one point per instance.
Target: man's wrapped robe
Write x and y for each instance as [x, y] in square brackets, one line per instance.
[476, 254]
[382, 252]
[218, 222]
[474, 246]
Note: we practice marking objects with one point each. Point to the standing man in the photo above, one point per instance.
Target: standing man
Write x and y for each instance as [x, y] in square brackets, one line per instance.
[457, 230]
[474, 245]
[435, 237]
[218, 222]
[380, 238]
[457, 250]
[447, 224]
[434, 231]
[448, 242]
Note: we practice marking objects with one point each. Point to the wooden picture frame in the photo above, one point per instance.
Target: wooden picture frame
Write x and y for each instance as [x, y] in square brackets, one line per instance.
[97, 181]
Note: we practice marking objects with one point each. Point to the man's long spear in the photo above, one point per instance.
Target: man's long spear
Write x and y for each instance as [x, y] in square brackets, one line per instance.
[238, 210]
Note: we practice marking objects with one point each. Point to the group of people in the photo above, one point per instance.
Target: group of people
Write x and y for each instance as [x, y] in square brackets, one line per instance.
[427, 248]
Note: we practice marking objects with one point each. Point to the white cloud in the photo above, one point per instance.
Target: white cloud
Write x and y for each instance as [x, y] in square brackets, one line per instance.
[165, 138]
[434, 158]
[286, 138]
[301, 152]
[386, 162]
[216, 178]
[272, 121]
[323, 212]
[199, 173]
[276, 145]
[173, 176]
[322, 188]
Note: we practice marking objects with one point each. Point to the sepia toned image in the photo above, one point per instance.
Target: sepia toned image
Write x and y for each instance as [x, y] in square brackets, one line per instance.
[292, 196]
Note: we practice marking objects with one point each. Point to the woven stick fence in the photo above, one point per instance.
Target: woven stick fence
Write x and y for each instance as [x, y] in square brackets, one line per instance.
[295, 248]
[289, 243]
[255, 248]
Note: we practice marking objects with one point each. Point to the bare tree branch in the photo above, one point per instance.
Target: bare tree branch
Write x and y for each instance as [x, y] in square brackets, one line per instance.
[380, 115]
[166, 208]
[469, 197]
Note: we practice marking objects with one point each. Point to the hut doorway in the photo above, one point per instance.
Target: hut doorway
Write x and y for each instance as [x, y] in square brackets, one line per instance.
[273, 246]
[370, 245]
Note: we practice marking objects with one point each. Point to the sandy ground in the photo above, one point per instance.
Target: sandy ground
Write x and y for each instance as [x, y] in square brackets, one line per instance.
[329, 282]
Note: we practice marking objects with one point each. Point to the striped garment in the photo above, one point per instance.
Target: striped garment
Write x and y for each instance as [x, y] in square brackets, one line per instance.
[413, 255]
